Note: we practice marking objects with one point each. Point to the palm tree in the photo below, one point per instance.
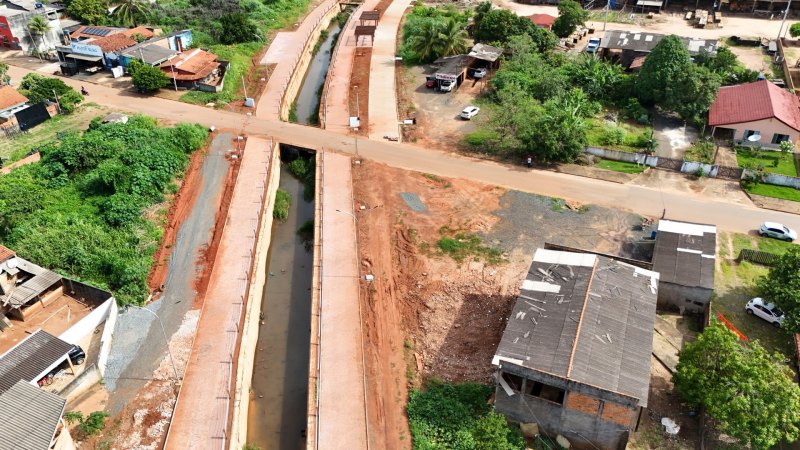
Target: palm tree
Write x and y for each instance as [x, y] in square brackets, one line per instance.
[38, 27]
[437, 38]
[128, 12]
[452, 38]
[422, 43]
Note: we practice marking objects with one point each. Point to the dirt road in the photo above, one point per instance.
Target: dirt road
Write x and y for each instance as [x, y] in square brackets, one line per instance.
[640, 199]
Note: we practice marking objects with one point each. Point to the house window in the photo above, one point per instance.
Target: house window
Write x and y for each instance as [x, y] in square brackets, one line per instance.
[514, 381]
[545, 392]
[777, 138]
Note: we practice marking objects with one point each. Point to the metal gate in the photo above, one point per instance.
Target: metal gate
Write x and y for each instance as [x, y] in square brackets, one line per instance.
[731, 173]
[669, 163]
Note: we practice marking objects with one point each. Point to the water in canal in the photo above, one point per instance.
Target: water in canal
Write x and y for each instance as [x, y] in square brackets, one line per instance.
[277, 418]
[307, 101]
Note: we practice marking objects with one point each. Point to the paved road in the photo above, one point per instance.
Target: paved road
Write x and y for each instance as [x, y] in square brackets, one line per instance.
[639, 199]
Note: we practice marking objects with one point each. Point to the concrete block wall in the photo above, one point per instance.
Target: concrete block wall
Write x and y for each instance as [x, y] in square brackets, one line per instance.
[313, 355]
[583, 403]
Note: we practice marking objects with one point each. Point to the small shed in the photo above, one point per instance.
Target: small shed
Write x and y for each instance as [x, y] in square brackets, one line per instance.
[451, 68]
[684, 257]
[30, 417]
[32, 359]
[485, 56]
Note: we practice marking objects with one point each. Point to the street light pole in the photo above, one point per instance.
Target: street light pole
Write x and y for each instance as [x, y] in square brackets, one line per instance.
[783, 22]
[164, 333]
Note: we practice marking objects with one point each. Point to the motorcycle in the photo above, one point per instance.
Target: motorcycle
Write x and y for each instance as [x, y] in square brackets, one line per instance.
[84, 92]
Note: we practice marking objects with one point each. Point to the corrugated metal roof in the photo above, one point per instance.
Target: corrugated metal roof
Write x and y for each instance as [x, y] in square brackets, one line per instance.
[684, 253]
[31, 359]
[25, 292]
[29, 417]
[590, 323]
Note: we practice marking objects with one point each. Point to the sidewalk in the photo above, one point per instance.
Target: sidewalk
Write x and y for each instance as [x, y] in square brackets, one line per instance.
[285, 51]
[337, 102]
[201, 416]
[342, 404]
[382, 94]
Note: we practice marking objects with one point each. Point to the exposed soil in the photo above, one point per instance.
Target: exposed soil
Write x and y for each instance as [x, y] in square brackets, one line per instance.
[359, 87]
[382, 6]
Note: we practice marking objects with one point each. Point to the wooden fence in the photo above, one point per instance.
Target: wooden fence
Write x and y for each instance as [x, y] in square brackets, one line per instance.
[758, 257]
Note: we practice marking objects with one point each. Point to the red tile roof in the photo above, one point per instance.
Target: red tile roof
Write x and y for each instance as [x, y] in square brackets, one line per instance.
[6, 253]
[113, 42]
[758, 100]
[10, 97]
[542, 20]
[144, 31]
[191, 65]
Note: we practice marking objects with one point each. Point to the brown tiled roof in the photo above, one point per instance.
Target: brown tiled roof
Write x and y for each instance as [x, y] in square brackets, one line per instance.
[10, 97]
[6, 253]
[758, 100]
[543, 20]
[113, 42]
[144, 31]
[192, 65]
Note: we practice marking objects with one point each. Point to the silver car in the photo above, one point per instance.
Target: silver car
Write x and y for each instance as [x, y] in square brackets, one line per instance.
[777, 231]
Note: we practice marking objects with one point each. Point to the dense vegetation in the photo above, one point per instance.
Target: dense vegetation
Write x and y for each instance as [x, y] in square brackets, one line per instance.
[79, 211]
[457, 416]
[782, 287]
[430, 33]
[749, 392]
[38, 88]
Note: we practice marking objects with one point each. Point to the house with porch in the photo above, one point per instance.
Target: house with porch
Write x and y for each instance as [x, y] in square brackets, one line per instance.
[196, 69]
[757, 114]
[574, 357]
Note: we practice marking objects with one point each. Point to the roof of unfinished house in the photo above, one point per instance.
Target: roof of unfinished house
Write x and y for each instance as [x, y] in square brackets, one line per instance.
[191, 64]
[585, 318]
[30, 359]
[685, 252]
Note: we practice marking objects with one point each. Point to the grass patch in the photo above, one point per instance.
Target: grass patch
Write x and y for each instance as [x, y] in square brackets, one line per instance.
[610, 16]
[283, 201]
[460, 246]
[625, 136]
[769, 190]
[771, 161]
[701, 151]
[619, 166]
[305, 170]
[557, 204]
[293, 112]
[241, 59]
[18, 147]
[438, 180]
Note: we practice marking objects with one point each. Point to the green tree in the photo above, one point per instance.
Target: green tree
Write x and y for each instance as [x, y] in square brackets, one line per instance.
[668, 59]
[4, 78]
[492, 432]
[597, 77]
[39, 88]
[147, 78]
[237, 27]
[92, 12]
[747, 391]
[782, 287]
[691, 92]
[559, 134]
[498, 25]
[38, 27]
[480, 12]
[438, 37]
[130, 12]
[571, 15]
[543, 40]
[725, 63]
[794, 30]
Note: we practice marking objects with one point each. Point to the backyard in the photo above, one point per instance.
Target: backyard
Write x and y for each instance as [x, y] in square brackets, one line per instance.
[622, 135]
[735, 286]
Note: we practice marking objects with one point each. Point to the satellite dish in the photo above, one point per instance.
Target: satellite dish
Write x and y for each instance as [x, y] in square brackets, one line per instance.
[11, 263]
[754, 137]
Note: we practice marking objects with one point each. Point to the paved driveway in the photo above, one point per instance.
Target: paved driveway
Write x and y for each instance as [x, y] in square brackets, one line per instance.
[673, 136]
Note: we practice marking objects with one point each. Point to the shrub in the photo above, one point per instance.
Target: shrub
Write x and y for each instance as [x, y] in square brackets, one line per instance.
[613, 135]
[147, 78]
[283, 201]
[481, 138]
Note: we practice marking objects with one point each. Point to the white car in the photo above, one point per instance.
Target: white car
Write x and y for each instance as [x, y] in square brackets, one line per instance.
[446, 85]
[593, 45]
[766, 311]
[469, 112]
[479, 73]
[777, 231]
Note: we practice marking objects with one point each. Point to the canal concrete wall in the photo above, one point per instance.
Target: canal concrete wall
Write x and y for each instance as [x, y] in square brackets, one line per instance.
[313, 355]
[295, 81]
[252, 312]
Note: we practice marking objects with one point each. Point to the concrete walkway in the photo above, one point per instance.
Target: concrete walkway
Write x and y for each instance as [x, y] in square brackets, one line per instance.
[382, 94]
[285, 51]
[337, 102]
[342, 401]
[201, 416]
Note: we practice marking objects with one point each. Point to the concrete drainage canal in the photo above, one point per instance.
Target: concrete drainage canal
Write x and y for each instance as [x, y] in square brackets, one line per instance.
[279, 394]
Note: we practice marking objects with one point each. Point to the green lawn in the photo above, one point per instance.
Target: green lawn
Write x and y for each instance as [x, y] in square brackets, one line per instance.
[636, 135]
[734, 285]
[769, 190]
[774, 162]
[16, 148]
[619, 166]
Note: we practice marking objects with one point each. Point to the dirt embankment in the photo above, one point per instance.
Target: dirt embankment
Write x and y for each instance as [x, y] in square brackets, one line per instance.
[425, 315]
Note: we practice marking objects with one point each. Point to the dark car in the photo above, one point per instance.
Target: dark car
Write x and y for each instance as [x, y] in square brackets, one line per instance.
[76, 355]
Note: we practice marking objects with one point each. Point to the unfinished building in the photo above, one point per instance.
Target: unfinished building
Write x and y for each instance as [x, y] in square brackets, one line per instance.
[575, 355]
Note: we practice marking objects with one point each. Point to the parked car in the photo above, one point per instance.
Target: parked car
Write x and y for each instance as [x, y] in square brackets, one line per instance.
[593, 45]
[766, 311]
[469, 112]
[777, 231]
[479, 72]
[76, 355]
[446, 85]
[430, 82]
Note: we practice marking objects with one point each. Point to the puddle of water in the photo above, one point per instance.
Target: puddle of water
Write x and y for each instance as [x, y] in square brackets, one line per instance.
[277, 417]
[307, 100]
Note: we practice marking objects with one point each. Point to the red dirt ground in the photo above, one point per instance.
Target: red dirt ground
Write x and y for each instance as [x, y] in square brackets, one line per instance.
[360, 77]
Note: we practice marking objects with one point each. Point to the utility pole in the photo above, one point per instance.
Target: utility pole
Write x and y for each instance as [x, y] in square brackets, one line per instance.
[58, 103]
[244, 88]
[174, 81]
[785, 13]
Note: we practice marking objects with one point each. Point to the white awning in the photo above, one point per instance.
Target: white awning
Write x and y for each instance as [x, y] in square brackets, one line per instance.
[654, 3]
[85, 57]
